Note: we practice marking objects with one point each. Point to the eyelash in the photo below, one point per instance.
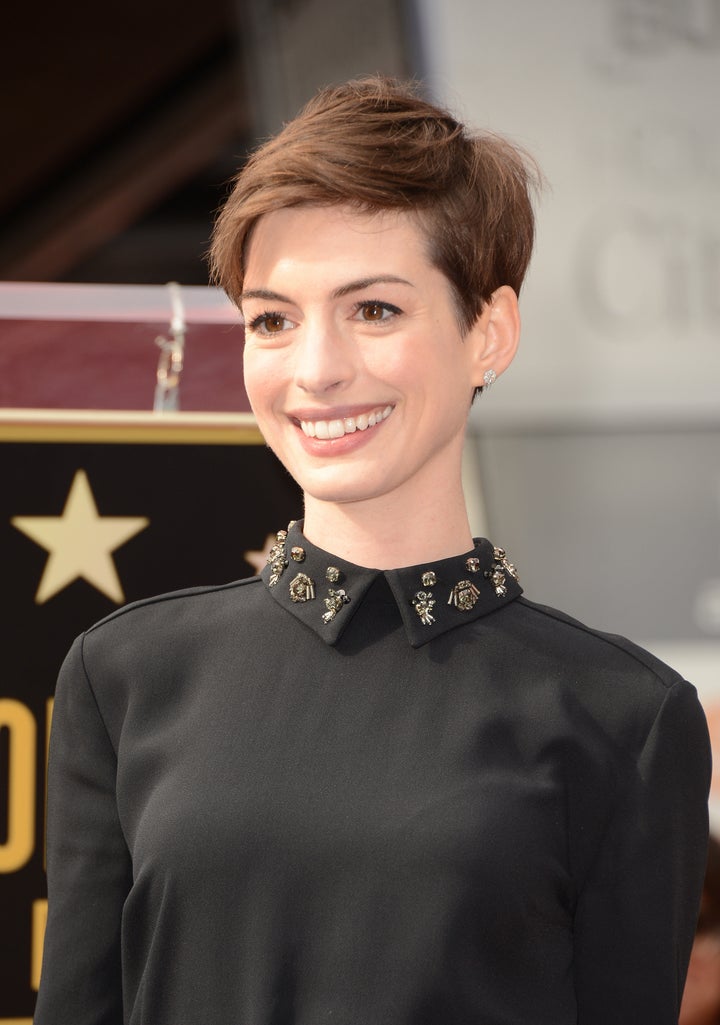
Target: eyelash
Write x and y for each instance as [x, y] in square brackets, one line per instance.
[367, 303]
[257, 322]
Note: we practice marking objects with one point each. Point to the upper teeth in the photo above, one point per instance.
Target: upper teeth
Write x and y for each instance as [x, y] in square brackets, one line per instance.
[325, 429]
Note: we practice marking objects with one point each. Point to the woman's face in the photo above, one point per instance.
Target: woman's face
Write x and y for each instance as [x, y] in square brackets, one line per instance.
[354, 362]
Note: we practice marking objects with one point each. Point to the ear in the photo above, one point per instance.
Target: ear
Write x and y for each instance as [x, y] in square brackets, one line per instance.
[495, 334]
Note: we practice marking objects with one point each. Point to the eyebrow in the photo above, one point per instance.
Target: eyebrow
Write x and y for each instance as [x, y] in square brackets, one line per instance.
[362, 283]
[264, 293]
[352, 286]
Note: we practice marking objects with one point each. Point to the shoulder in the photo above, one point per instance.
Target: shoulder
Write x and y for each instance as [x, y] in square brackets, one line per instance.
[603, 677]
[145, 650]
[622, 699]
[194, 600]
[175, 621]
[559, 634]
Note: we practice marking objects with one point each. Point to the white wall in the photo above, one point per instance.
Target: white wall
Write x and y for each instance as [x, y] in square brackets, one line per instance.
[619, 102]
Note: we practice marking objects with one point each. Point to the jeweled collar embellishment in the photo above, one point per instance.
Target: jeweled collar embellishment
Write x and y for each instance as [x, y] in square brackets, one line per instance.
[431, 599]
[498, 571]
[424, 604]
[333, 603]
[277, 558]
[464, 594]
[302, 588]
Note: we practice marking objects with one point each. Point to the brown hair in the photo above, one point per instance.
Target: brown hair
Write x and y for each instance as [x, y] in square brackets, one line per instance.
[375, 144]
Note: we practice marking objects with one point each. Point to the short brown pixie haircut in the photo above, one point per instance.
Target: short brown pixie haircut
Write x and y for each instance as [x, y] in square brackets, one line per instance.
[375, 144]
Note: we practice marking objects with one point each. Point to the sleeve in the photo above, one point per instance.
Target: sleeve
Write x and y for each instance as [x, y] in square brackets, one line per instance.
[88, 863]
[637, 910]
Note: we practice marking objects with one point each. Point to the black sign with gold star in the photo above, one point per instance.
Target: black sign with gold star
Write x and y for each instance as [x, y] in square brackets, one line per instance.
[93, 516]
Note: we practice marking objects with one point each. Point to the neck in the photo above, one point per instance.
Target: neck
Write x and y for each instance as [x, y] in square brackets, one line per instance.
[385, 533]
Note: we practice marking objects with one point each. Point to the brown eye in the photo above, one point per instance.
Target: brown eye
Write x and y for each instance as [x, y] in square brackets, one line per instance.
[376, 311]
[269, 323]
[273, 322]
[373, 311]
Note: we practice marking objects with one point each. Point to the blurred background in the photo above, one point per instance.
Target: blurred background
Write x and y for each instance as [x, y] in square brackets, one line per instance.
[596, 459]
[122, 123]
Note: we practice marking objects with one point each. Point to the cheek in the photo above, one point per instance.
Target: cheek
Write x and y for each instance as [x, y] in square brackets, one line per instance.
[258, 379]
[401, 363]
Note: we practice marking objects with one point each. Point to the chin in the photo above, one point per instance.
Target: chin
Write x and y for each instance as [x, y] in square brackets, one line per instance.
[338, 495]
[338, 491]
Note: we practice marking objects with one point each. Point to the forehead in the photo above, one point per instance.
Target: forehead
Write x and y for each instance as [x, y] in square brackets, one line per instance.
[334, 239]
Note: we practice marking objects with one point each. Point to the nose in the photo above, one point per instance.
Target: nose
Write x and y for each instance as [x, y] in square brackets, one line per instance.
[325, 359]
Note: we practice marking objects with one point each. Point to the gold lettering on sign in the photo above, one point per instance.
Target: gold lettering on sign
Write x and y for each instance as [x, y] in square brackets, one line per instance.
[39, 921]
[20, 838]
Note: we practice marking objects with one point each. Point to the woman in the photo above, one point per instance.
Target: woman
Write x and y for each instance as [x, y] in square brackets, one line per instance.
[375, 786]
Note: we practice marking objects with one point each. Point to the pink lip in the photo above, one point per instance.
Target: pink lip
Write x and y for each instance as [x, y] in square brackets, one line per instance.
[337, 413]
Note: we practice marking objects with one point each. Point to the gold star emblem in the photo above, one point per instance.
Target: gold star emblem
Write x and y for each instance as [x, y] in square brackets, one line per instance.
[80, 543]
[258, 558]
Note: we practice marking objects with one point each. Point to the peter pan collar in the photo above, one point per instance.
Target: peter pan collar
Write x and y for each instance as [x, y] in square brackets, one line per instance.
[324, 591]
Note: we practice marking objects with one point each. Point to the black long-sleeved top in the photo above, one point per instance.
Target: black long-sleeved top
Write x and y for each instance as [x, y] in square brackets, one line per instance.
[265, 810]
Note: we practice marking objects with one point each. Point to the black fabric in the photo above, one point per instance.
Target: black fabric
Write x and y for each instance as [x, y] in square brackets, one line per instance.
[253, 822]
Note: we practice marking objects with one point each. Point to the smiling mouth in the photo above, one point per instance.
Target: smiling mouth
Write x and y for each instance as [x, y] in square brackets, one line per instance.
[326, 429]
